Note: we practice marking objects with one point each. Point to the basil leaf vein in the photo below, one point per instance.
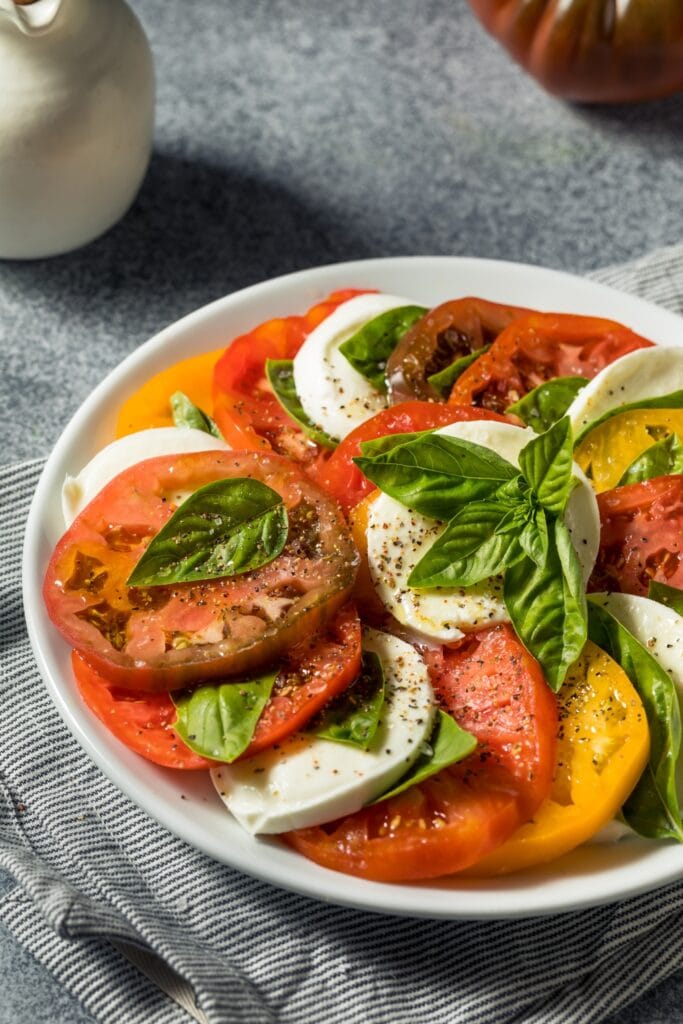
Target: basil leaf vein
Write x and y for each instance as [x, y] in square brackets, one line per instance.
[661, 459]
[354, 717]
[186, 414]
[227, 527]
[369, 348]
[548, 402]
[280, 374]
[218, 720]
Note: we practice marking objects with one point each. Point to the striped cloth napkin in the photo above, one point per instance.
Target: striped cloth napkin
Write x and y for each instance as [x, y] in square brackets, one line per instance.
[119, 910]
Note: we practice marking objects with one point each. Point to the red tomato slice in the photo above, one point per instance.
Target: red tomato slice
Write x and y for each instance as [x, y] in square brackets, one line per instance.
[245, 408]
[341, 478]
[496, 690]
[536, 348]
[641, 536]
[315, 671]
[166, 637]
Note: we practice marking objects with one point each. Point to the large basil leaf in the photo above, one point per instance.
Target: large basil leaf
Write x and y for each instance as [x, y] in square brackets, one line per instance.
[443, 381]
[436, 474]
[660, 459]
[187, 414]
[369, 348]
[381, 445]
[448, 744]
[547, 605]
[227, 527]
[671, 401]
[354, 716]
[672, 597]
[652, 809]
[546, 463]
[470, 549]
[218, 720]
[548, 402]
[280, 373]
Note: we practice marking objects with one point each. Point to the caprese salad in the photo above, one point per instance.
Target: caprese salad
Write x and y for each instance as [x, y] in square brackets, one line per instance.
[407, 582]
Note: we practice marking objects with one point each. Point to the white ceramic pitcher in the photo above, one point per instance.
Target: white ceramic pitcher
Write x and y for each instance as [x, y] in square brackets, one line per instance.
[76, 121]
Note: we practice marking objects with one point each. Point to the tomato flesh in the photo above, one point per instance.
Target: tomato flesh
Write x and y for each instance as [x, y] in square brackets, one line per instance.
[167, 637]
[496, 690]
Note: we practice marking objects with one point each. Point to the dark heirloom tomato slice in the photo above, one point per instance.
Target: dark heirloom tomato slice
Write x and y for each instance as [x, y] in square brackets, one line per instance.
[345, 481]
[537, 348]
[154, 638]
[444, 334]
[244, 406]
[641, 536]
[313, 672]
[496, 690]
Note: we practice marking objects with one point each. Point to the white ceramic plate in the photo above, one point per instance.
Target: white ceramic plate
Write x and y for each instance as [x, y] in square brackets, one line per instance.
[186, 803]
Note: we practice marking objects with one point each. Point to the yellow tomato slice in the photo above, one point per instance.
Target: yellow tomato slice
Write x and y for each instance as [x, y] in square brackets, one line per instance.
[150, 405]
[607, 452]
[603, 747]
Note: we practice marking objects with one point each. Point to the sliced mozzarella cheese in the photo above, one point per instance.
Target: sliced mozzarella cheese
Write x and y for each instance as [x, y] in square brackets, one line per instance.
[660, 630]
[398, 538]
[646, 373]
[335, 396]
[78, 491]
[307, 781]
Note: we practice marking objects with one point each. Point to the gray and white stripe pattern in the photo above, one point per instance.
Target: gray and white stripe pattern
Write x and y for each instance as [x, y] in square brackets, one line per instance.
[101, 885]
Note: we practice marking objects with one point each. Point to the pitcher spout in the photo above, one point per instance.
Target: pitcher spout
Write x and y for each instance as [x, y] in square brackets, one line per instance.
[32, 17]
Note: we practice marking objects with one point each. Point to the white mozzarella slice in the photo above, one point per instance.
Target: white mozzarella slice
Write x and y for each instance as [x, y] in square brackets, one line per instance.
[645, 373]
[335, 396]
[308, 781]
[398, 538]
[78, 491]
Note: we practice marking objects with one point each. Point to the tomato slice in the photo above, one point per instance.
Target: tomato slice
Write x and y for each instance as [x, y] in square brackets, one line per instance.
[536, 348]
[641, 536]
[609, 449]
[314, 671]
[169, 636]
[450, 331]
[342, 478]
[496, 690]
[244, 406]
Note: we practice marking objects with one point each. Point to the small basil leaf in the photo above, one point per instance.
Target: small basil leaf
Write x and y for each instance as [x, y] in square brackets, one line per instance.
[468, 551]
[670, 596]
[660, 459]
[280, 373]
[671, 401]
[354, 716]
[443, 381]
[435, 474]
[187, 414]
[514, 519]
[652, 809]
[546, 463]
[547, 605]
[369, 348]
[533, 538]
[226, 527]
[548, 402]
[218, 720]
[448, 744]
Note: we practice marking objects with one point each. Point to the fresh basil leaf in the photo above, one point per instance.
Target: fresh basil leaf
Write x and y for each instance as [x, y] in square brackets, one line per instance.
[448, 744]
[533, 538]
[469, 550]
[443, 381]
[660, 459]
[546, 463]
[381, 445]
[514, 519]
[547, 605]
[187, 414]
[670, 596]
[652, 809]
[354, 716]
[227, 527]
[548, 402]
[280, 374]
[218, 720]
[435, 474]
[671, 401]
[369, 348]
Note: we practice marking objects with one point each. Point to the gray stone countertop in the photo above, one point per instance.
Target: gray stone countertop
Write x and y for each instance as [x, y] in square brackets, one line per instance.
[292, 133]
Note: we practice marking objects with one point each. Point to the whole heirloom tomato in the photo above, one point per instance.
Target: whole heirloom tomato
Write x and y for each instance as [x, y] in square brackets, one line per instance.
[594, 51]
